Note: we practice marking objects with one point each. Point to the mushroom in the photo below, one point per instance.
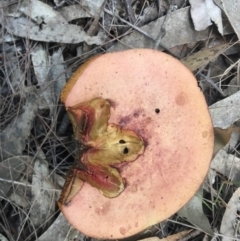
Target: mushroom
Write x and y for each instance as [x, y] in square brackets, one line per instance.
[155, 96]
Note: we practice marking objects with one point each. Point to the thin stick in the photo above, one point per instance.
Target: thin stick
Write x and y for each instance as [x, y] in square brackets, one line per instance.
[211, 82]
[163, 29]
[128, 5]
[28, 185]
[129, 24]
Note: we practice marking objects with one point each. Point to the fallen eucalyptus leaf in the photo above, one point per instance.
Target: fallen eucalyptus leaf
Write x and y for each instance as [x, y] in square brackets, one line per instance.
[219, 3]
[57, 72]
[225, 140]
[225, 112]
[16, 70]
[13, 138]
[41, 66]
[178, 20]
[85, 9]
[21, 194]
[203, 57]
[231, 218]
[51, 32]
[199, 15]
[92, 6]
[203, 12]
[231, 9]
[233, 86]
[215, 15]
[74, 12]
[221, 138]
[3, 238]
[58, 230]
[226, 164]
[40, 12]
[10, 170]
[8, 38]
[193, 213]
[173, 237]
[75, 235]
[43, 200]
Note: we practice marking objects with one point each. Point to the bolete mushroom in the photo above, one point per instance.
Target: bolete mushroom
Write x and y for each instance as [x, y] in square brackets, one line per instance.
[153, 95]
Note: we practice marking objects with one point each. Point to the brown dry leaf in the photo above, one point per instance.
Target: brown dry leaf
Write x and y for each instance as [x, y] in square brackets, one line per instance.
[232, 9]
[222, 137]
[231, 218]
[203, 12]
[179, 30]
[203, 57]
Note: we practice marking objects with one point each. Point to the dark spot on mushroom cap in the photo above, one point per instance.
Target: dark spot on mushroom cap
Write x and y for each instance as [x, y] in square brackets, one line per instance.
[181, 99]
[122, 230]
[136, 115]
[134, 188]
[137, 112]
[124, 120]
[104, 209]
[204, 134]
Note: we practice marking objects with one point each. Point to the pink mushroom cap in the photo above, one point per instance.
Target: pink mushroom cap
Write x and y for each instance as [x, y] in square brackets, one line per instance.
[158, 98]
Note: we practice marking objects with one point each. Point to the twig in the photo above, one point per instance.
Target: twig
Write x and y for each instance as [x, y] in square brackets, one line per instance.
[58, 4]
[129, 24]
[128, 6]
[28, 185]
[211, 82]
[93, 28]
[191, 235]
[163, 29]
